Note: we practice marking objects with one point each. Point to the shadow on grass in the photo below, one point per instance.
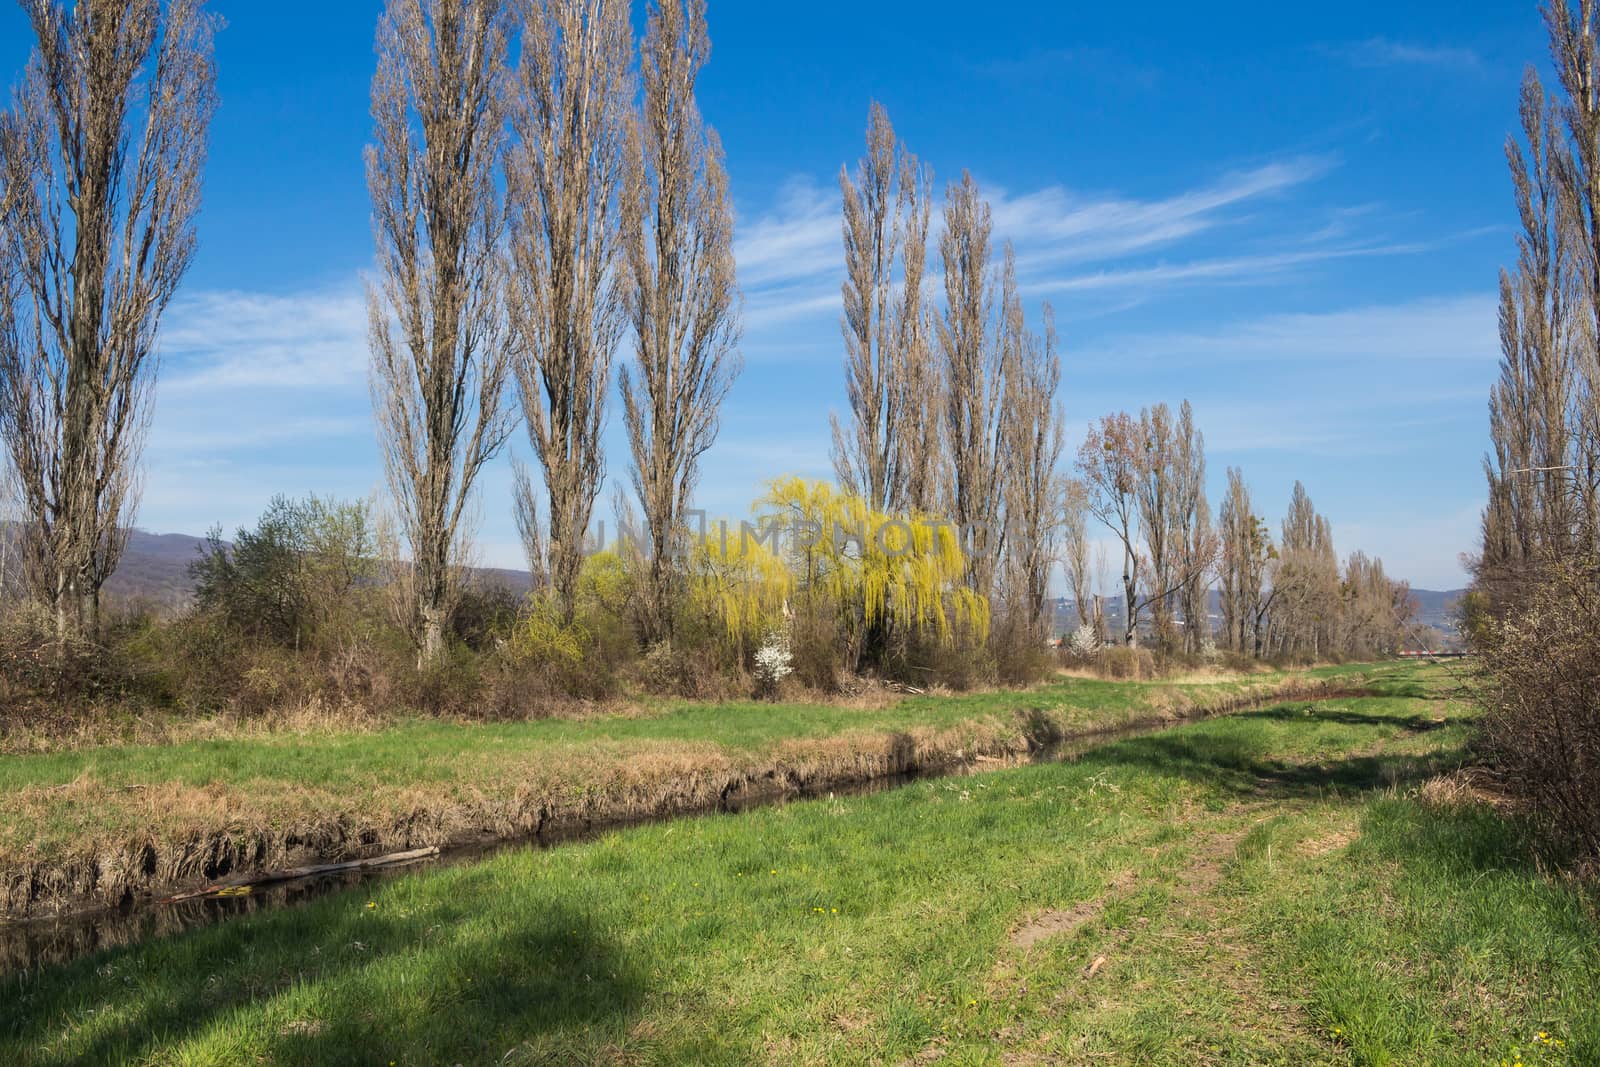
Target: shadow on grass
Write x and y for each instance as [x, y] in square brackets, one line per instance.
[1458, 840]
[1295, 713]
[340, 983]
[1238, 763]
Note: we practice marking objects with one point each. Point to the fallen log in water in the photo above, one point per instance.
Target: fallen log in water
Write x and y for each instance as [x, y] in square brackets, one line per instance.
[242, 886]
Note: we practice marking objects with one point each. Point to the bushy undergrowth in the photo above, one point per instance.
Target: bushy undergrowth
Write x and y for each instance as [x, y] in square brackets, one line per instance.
[1542, 694]
[1126, 663]
[308, 612]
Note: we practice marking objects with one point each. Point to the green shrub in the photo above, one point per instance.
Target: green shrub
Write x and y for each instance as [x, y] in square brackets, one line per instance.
[486, 614]
[294, 579]
[547, 657]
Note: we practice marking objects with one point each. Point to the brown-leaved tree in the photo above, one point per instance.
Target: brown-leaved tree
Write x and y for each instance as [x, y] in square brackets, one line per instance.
[440, 350]
[103, 152]
[682, 296]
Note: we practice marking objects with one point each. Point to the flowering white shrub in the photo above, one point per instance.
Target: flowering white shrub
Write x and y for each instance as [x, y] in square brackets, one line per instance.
[1084, 642]
[774, 662]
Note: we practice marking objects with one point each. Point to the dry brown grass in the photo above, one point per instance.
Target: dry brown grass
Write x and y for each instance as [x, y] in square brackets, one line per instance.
[155, 838]
[104, 726]
[102, 844]
[1466, 787]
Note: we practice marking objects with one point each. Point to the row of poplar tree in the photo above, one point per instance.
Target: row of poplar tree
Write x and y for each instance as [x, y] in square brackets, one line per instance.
[1534, 614]
[546, 195]
[1144, 479]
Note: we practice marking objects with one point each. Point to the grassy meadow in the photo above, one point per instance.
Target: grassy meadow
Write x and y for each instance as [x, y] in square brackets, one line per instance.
[95, 821]
[1299, 883]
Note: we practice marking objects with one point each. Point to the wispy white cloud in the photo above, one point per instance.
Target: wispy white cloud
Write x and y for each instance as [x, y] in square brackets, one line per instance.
[1383, 52]
[1461, 328]
[780, 304]
[241, 340]
[1055, 224]
[235, 431]
[799, 238]
[1254, 269]
[259, 394]
[790, 259]
[1331, 427]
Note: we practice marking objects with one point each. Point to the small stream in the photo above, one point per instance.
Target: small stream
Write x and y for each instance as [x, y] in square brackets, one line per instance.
[39, 943]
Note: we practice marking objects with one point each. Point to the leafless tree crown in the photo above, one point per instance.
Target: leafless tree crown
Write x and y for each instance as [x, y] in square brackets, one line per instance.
[440, 350]
[890, 453]
[1245, 554]
[1544, 470]
[1145, 479]
[103, 152]
[564, 172]
[1306, 580]
[970, 352]
[682, 297]
[1033, 436]
[1110, 463]
[1194, 538]
[1075, 559]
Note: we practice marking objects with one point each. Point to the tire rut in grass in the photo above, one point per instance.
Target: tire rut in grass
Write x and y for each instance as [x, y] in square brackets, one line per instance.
[1206, 929]
[1057, 922]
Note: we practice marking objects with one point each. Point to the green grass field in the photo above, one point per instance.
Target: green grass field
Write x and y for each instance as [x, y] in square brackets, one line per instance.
[1278, 886]
[432, 749]
[79, 814]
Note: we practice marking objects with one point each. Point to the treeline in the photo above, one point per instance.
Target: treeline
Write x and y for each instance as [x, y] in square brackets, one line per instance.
[554, 231]
[1534, 613]
[1144, 480]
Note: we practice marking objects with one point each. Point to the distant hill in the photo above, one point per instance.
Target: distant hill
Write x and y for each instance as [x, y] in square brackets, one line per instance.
[1438, 608]
[154, 572]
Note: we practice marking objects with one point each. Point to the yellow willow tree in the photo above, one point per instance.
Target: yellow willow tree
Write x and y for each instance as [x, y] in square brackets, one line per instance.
[876, 570]
[736, 581]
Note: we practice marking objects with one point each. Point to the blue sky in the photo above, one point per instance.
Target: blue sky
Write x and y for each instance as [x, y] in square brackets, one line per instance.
[1291, 217]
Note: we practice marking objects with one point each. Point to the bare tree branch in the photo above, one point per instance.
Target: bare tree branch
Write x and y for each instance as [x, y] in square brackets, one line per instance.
[970, 347]
[563, 176]
[890, 454]
[682, 296]
[440, 349]
[103, 152]
[1033, 437]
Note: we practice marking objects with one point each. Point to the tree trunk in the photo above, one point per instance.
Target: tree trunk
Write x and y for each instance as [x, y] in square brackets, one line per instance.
[432, 643]
[1130, 610]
